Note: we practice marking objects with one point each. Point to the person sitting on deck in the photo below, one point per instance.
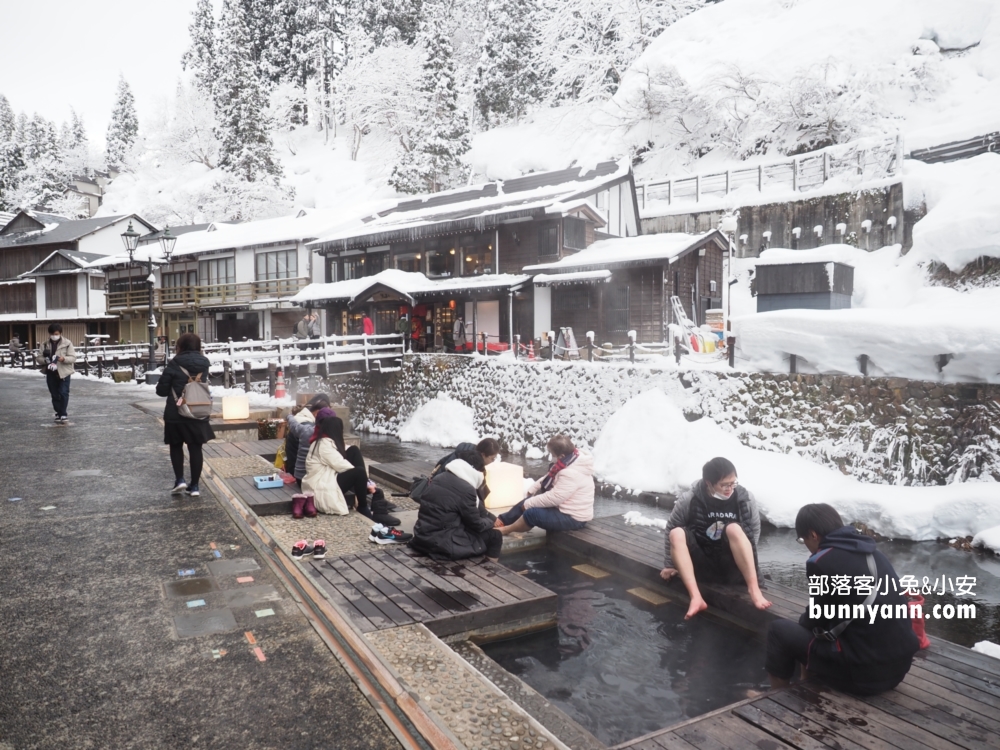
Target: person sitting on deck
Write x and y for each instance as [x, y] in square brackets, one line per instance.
[452, 523]
[488, 448]
[562, 500]
[843, 638]
[301, 426]
[712, 536]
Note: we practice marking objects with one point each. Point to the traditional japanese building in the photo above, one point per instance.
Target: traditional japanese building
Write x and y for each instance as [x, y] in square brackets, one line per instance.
[459, 238]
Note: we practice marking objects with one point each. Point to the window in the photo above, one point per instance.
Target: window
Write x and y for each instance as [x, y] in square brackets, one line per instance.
[217, 271]
[575, 233]
[176, 286]
[617, 309]
[354, 267]
[375, 263]
[281, 264]
[125, 284]
[548, 240]
[97, 283]
[60, 292]
[408, 263]
[17, 298]
[441, 262]
[477, 262]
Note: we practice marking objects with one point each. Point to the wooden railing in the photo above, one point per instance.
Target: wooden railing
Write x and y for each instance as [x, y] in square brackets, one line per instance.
[860, 161]
[200, 296]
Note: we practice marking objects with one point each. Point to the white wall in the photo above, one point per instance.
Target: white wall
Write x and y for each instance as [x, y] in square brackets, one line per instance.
[108, 241]
[543, 310]
[488, 316]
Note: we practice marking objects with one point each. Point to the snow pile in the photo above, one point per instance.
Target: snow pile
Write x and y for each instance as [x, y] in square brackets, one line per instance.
[635, 518]
[649, 445]
[963, 209]
[442, 421]
[897, 320]
[988, 539]
[989, 648]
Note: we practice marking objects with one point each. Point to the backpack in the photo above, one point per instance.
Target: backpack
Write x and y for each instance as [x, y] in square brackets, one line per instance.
[196, 400]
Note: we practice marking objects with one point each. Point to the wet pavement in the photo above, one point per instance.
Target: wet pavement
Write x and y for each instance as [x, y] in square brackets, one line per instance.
[135, 619]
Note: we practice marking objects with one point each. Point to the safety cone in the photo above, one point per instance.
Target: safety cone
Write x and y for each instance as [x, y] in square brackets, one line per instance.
[279, 385]
[531, 350]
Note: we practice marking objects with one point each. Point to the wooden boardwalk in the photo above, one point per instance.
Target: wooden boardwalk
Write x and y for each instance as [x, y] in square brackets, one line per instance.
[394, 587]
[222, 449]
[400, 473]
[949, 699]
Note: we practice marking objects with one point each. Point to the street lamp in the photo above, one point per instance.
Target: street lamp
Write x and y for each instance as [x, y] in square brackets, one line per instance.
[131, 239]
[729, 226]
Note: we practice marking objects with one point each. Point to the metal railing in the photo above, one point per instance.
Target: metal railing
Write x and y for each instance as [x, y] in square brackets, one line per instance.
[202, 295]
[966, 149]
[860, 161]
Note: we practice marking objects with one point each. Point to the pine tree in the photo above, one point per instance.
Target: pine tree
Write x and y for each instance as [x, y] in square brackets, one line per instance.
[77, 129]
[433, 162]
[395, 19]
[43, 179]
[11, 156]
[200, 56]
[507, 76]
[242, 125]
[124, 127]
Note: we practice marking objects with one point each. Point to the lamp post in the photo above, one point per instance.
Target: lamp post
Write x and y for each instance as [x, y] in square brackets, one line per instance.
[728, 226]
[167, 241]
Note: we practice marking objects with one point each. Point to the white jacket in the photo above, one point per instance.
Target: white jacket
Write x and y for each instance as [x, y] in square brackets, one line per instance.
[323, 464]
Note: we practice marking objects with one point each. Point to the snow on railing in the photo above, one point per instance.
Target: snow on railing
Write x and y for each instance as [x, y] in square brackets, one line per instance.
[864, 160]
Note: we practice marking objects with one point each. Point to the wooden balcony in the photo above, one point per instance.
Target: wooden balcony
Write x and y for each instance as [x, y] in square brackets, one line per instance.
[205, 296]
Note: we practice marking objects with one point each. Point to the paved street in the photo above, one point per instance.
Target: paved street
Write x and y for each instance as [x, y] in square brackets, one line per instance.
[100, 644]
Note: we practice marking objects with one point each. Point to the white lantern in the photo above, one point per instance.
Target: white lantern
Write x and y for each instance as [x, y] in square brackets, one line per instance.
[236, 407]
[506, 484]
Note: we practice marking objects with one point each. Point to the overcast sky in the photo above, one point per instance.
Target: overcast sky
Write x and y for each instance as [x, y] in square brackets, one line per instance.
[58, 54]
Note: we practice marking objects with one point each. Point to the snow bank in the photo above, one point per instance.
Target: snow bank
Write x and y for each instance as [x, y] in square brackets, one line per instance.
[649, 445]
[989, 648]
[635, 518]
[442, 421]
[988, 539]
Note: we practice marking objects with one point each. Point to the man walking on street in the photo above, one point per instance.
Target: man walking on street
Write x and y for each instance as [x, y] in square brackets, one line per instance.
[15, 350]
[57, 357]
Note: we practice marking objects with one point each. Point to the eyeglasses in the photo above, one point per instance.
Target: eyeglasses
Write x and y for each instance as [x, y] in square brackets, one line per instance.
[800, 540]
[728, 486]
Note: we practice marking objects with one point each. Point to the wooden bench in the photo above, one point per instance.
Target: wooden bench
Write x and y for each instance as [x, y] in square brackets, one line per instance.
[393, 587]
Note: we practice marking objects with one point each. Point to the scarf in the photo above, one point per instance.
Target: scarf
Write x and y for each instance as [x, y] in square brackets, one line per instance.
[322, 414]
[550, 479]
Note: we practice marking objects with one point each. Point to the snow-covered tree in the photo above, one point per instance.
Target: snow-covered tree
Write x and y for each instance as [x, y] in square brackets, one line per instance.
[124, 127]
[200, 56]
[43, 179]
[11, 156]
[242, 125]
[508, 73]
[188, 134]
[399, 19]
[432, 161]
[74, 145]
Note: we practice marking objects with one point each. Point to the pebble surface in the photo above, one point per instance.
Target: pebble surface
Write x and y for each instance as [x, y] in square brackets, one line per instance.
[460, 697]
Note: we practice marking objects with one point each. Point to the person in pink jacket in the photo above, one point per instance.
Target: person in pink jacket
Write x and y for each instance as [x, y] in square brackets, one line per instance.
[562, 500]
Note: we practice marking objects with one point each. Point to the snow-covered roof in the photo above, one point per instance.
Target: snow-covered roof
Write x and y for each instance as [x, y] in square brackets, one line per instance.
[779, 256]
[668, 246]
[82, 261]
[475, 208]
[304, 224]
[575, 277]
[406, 284]
[57, 229]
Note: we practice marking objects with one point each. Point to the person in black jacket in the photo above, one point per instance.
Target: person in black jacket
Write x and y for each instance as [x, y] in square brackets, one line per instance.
[179, 431]
[452, 524]
[488, 448]
[869, 654]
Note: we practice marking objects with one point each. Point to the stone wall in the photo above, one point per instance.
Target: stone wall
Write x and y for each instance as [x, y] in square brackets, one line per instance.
[887, 430]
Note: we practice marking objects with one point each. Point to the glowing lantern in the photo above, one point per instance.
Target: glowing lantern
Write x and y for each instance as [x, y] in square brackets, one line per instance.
[236, 407]
[506, 483]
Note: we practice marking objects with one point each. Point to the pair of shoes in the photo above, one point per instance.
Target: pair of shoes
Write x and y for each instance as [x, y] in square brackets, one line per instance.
[63, 419]
[298, 505]
[384, 535]
[179, 486]
[302, 549]
[194, 490]
[380, 510]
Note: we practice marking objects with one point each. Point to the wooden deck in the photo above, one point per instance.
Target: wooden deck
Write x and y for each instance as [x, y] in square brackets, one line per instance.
[394, 587]
[949, 699]
[245, 448]
[400, 473]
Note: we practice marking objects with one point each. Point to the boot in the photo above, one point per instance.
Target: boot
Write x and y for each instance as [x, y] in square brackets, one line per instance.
[310, 509]
[298, 503]
[380, 510]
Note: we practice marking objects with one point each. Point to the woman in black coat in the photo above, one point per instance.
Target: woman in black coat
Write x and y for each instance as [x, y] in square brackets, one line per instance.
[452, 524]
[179, 431]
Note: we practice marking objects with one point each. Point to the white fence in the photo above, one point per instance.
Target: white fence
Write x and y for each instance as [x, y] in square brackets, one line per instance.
[860, 161]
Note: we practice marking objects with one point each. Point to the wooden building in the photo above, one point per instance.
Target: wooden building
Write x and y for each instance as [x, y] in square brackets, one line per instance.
[804, 286]
[620, 285]
[496, 228]
[45, 275]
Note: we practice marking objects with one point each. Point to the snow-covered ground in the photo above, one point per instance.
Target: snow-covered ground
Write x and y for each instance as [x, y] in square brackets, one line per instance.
[442, 421]
[989, 648]
[649, 445]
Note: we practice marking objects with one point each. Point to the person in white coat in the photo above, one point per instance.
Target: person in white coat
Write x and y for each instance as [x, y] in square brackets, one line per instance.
[562, 500]
[331, 469]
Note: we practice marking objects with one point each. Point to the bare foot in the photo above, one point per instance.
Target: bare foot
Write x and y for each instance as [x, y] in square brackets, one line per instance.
[697, 605]
[759, 601]
[498, 524]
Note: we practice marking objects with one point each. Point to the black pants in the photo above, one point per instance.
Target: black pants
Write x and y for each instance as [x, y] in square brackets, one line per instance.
[355, 480]
[494, 541]
[713, 565]
[177, 460]
[787, 643]
[59, 390]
